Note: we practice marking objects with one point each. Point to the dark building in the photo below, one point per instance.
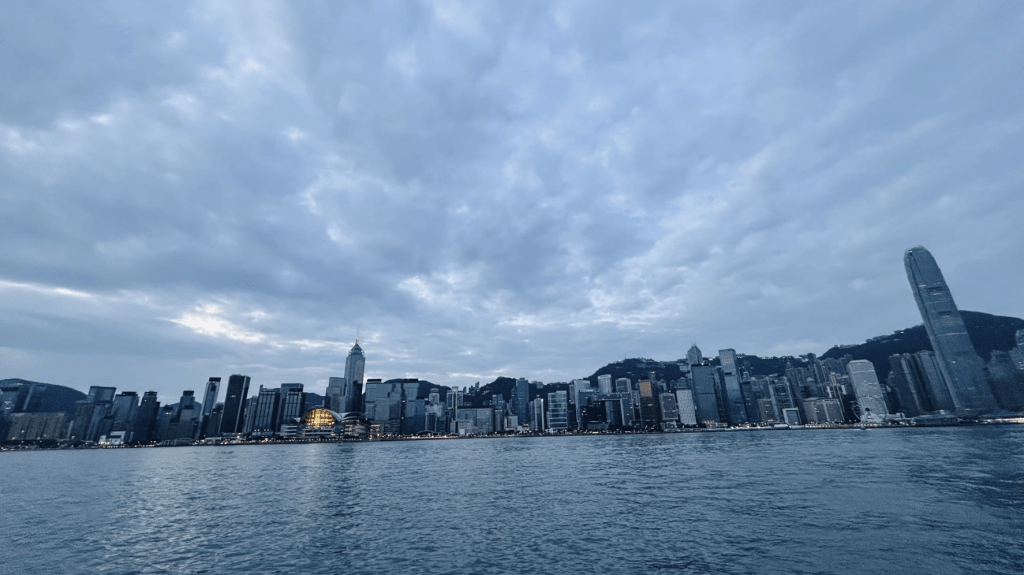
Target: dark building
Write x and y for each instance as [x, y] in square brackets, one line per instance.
[123, 410]
[292, 404]
[146, 418]
[959, 363]
[648, 405]
[233, 418]
[704, 396]
[265, 422]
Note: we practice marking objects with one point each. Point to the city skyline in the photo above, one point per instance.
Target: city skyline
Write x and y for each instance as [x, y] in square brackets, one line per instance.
[485, 189]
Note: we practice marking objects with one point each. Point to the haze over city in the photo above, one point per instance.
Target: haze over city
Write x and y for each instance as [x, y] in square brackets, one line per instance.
[491, 189]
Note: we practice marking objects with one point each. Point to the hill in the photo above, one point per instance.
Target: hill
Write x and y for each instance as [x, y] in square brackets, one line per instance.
[987, 332]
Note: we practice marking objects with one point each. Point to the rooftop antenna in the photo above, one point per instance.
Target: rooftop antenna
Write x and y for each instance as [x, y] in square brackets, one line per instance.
[357, 333]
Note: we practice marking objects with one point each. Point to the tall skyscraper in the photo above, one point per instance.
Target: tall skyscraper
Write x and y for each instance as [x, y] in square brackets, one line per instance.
[210, 397]
[959, 363]
[693, 356]
[233, 418]
[354, 365]
[521, 401]
[735, 409]
[867, 390]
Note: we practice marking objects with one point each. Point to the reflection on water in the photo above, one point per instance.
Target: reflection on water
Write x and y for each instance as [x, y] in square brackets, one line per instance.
[945, 500]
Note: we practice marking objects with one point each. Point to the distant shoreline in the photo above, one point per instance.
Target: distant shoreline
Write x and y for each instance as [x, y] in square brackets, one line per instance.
[847, 426]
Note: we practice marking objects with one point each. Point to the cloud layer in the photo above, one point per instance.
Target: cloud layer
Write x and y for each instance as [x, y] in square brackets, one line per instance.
[527, 189]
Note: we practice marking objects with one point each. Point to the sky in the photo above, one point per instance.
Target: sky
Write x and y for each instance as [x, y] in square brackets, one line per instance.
[481, 189]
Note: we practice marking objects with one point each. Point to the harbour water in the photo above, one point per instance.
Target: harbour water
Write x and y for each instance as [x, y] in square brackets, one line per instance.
[936, 500]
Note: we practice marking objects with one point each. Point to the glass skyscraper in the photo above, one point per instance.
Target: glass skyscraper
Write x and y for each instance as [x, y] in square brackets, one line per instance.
[355, 363]
[958, 361]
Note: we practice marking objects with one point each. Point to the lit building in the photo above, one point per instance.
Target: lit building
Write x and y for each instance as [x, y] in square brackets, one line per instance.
[328, 424]
[959, 363]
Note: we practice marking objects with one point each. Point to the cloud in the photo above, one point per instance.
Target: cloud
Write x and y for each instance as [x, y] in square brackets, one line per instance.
[479, 189]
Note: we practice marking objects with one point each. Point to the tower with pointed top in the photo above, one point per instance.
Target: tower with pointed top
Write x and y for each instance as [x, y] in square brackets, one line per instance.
[958, 361]
[354, 365]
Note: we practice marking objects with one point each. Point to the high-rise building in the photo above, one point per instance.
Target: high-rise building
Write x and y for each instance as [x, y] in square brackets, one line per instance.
[623, 385]
[233, 419]
[537, 415]
[959, 363]
[867, 390]
[648, 404]
[736, 411]
[604, 384]
[210, 397]
[694, 356]
[292, 404]
[687, 409]
[704, 395]
[123, 411]
[146, 418]
[521, 401]
[355, 363]
[267, 404]
[336, 394]
[558, 411]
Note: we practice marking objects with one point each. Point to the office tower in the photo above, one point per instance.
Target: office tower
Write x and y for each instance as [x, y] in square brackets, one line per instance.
[233, 418]
[210, 397]
[867, 390]
[558, 411]
[1007, 381]
[146, 418]
[99, 394]
[265, 418]
[959, 363]
[537, 415]
[336, 394]
[521, 400]
[292, 404]
[687, 408]
[735, 409]
[604, 384]
[704, 395]
[903, 377]
[582, 392]
[123, 410]
[926, 366]
[648, 404]
[623, 385]
[355, 363]
[694, 356]
[669, 408]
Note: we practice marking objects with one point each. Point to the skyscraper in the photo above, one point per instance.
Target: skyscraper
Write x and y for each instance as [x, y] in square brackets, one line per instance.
[958, 361]
[693, 355]
[234, 404]
[521, 400]
[354, 365]
[868, 390]
[735, 409]
[210, 397]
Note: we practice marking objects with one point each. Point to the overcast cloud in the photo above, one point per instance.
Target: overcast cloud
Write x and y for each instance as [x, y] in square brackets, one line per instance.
[529, 189]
